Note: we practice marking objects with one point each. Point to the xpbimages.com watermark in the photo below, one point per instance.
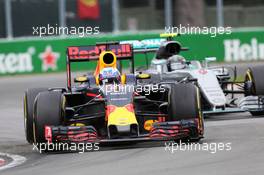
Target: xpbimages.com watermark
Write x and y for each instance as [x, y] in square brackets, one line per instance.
[187, 29]
[209, 147]
[123, 89]
[69, 147]
[58, 30]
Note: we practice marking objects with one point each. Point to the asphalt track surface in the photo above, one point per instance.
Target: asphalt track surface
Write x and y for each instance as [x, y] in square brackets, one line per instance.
[244, 132]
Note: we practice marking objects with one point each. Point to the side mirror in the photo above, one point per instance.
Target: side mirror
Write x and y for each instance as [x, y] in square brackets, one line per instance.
[143, 76]
[192, 79]
[208, 60]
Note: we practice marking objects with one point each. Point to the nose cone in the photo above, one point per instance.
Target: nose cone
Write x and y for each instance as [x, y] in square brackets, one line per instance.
[122, 122]
[121, 116]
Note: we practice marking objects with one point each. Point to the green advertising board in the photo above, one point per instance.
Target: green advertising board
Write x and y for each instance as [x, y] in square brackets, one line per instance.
[240, 45]
[49, 54]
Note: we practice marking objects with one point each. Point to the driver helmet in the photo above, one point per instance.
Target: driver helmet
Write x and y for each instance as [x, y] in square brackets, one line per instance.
[109, 75]
[176, 62]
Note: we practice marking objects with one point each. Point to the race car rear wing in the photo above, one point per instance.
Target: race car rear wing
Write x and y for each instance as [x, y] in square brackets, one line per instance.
[92, 53]
[87, 53]
[149, 45]
[161, 46]
[124, 50]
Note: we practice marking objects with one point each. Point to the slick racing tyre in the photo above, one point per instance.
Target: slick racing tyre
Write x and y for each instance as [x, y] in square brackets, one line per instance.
[29, 99]
[184, 104]
[254, 84]
[47, 112]
[254, 81]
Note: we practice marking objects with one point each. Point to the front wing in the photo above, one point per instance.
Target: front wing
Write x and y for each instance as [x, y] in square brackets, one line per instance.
[160, 131]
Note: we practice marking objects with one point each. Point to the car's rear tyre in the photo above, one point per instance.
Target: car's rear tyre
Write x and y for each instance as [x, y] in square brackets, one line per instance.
[48, 111]
[254, 84]
[184, 104]
[29, 99]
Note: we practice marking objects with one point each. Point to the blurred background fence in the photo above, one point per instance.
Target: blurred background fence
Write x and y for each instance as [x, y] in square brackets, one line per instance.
[23, 52]
[127, 15]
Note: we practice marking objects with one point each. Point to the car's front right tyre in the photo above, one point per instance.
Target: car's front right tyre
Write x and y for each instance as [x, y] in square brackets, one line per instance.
[254, 84]
[184, 104]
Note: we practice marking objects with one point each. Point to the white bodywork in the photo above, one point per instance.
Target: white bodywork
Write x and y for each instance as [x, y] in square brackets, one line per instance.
[208, 83]
[207, 80]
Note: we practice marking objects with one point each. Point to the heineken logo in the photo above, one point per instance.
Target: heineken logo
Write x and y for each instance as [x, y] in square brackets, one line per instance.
[16, 62]
[25, 62]
[235, 50]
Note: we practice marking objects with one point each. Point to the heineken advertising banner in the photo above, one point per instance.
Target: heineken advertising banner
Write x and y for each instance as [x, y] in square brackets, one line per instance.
[236, 47]
[49, 54]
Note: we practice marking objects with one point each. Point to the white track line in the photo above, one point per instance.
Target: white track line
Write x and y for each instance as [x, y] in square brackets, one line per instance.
[16, 160]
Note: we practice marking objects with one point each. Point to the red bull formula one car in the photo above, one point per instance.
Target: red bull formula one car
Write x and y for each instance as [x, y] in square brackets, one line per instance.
[112, 107]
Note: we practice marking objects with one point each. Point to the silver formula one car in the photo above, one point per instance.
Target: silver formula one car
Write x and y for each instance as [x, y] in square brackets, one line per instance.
[221, 92]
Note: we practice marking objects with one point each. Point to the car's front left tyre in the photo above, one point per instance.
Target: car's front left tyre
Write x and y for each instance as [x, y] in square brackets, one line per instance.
[48, 111]
[29, 98]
